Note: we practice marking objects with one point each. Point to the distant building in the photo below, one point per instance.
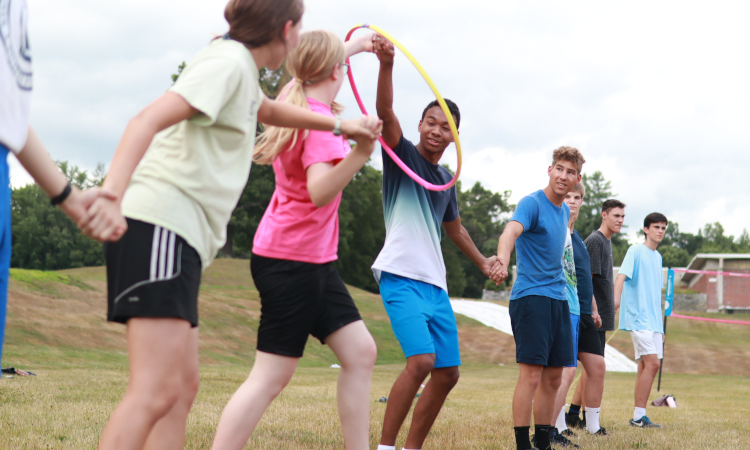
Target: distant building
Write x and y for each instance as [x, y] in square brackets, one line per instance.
[725, 293]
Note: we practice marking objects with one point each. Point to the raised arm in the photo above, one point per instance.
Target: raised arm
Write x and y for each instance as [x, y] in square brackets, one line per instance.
[385, 51]
[504, 248]
[364, 43]
[458, 234]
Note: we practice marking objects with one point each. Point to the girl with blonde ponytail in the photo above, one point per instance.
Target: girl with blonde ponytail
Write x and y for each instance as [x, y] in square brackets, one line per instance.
[294, 247]
[180, 169]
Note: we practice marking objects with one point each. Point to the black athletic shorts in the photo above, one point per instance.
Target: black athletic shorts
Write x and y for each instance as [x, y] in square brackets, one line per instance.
[541, 329]
[589, 340]
[152, 272]
[298, 299]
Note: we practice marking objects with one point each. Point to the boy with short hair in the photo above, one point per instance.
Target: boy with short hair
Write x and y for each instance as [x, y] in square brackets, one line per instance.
[410, 267]
[539, 310]
[638, 290]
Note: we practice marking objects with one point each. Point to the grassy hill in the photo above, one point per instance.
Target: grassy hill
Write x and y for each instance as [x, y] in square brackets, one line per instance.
[57, 319]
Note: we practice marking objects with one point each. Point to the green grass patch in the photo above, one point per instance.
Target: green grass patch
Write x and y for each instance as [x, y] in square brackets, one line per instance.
[47, 282]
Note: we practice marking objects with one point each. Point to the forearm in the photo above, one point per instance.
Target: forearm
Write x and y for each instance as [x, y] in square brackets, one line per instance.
[505, 245]
[35, 159]
[384, 99]
[282, 114]
[324, 188]
[466, 245]
[594, 307]
[619, 283]
[358, 45]
[133, 145]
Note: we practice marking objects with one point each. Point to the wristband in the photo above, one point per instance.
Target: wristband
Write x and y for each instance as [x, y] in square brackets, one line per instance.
[61, 198]
[337, 127]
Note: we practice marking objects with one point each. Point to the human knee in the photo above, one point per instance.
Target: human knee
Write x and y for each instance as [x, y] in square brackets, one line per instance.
[366, 354]
[158, 400]
[190, 386]
[419, 366]
[447, 377]
[652, 365]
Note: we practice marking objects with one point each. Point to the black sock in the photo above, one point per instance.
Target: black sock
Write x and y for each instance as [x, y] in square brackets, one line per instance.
[574, 409]
[541, 436]
[522, 438]
[584, 415]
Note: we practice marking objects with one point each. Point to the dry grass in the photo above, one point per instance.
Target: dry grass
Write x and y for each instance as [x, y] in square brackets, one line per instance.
[67, 409]
[56, 328]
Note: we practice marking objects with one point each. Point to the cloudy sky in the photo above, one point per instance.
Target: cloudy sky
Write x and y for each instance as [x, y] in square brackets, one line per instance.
[655, 95]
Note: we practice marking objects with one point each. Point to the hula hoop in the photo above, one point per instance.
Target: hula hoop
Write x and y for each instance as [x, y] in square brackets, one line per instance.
[441, 101]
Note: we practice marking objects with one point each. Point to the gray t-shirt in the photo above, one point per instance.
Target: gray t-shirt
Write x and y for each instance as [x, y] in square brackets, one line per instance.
[600, 252]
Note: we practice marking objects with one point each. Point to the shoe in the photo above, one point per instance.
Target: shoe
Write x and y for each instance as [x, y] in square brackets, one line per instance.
[568, 433]
[571, 420]
[644, 422]
[559, 439]
[602, 432]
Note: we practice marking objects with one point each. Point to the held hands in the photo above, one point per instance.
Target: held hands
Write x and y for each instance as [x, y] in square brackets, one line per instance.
[383, 48]
[499, 271]
[78, 204]
[371, 126]
[103, 221]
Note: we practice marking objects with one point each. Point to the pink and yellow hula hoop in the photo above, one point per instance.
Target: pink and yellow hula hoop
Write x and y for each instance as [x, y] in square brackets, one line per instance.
[441, 101]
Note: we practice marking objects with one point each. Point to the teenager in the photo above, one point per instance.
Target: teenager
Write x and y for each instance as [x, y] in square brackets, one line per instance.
[599, 247]
[589, 350]
[19, 138]
[539, 312]
[193, 148]
[410, 267]
[638, 290]
[296, 242]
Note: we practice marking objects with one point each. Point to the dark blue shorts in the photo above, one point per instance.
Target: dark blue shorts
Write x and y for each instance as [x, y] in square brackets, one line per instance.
[541, 329]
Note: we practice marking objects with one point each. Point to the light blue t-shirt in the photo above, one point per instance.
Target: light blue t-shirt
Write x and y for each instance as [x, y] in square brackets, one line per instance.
[640, 304]
[571, 280]
[540, 248]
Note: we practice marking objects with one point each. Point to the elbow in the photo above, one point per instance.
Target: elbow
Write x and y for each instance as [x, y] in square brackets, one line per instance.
[319, 200]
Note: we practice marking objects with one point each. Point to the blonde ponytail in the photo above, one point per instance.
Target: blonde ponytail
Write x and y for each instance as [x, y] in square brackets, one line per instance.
[311, 62]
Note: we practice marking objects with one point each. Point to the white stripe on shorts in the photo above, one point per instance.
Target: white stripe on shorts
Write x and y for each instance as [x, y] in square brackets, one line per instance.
[154, 253]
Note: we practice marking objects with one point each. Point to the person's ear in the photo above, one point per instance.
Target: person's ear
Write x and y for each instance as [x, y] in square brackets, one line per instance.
[419, 127]
[549, 171]
[287, 30]
[578, 179]
[335, 73]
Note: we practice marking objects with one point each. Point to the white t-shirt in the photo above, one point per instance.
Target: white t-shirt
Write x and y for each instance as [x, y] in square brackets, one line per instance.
[15, 74]
[193, 174]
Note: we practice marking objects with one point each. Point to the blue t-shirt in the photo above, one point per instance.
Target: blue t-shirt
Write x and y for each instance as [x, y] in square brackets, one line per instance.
[583, 273]
[640, 304]
[413, 216]
[571, 281]
[539, 249]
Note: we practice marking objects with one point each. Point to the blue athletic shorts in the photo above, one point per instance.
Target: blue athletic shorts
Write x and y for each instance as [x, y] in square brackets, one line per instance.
[575, 322]
[422, 318]
[541, 329]
[5, 241]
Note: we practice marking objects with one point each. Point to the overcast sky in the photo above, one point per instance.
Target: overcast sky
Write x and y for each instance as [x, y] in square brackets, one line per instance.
[655, 94]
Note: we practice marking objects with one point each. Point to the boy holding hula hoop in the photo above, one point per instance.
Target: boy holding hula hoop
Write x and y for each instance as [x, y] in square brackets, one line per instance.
[181, 165]
[410, 267]
[18, 137]
[301, 293]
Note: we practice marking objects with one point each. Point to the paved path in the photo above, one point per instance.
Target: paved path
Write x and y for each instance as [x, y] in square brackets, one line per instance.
[497, 317]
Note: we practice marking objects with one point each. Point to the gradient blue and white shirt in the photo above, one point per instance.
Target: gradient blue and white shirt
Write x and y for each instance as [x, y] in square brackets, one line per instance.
[413, 216]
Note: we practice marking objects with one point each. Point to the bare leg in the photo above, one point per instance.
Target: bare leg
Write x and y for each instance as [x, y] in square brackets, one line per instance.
[568, 375]
[269, 376]
[544, 400]
[356, 350]
[648, 366]
[402, 395]
[169, 431]
[529, 378]
[578, 394]
[429, 404]
[156, 380]
[594, 388]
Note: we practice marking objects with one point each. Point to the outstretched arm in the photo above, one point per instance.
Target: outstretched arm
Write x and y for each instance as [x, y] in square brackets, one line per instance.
[280, 114]
[504, 247]
[458, 234]
[364, 43]
[385, 51]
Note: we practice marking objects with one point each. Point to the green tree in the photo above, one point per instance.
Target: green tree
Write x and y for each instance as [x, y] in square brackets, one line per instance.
[44, 238]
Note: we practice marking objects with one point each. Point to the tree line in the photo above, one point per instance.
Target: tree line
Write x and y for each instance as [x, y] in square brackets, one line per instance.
[45, 239]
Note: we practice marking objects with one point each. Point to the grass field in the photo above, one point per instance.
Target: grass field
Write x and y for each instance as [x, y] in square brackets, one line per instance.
[56, 329]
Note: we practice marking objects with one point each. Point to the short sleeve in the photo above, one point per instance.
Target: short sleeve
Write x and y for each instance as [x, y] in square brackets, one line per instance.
[208, 85]
[406, 152]
[627, 267]
[594, 247]
[526, 213]
[451, 212]
[323, 146]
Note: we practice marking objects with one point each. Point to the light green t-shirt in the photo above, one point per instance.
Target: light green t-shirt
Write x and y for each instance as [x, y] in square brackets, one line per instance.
[193, 173]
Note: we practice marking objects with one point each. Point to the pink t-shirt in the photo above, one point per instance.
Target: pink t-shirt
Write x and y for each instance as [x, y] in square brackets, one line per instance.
[293, 228]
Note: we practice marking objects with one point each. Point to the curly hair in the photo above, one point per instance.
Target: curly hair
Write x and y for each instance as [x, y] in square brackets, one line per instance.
[571, 154]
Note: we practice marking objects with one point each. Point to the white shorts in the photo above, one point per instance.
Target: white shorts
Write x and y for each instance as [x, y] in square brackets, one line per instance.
[647, 343]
